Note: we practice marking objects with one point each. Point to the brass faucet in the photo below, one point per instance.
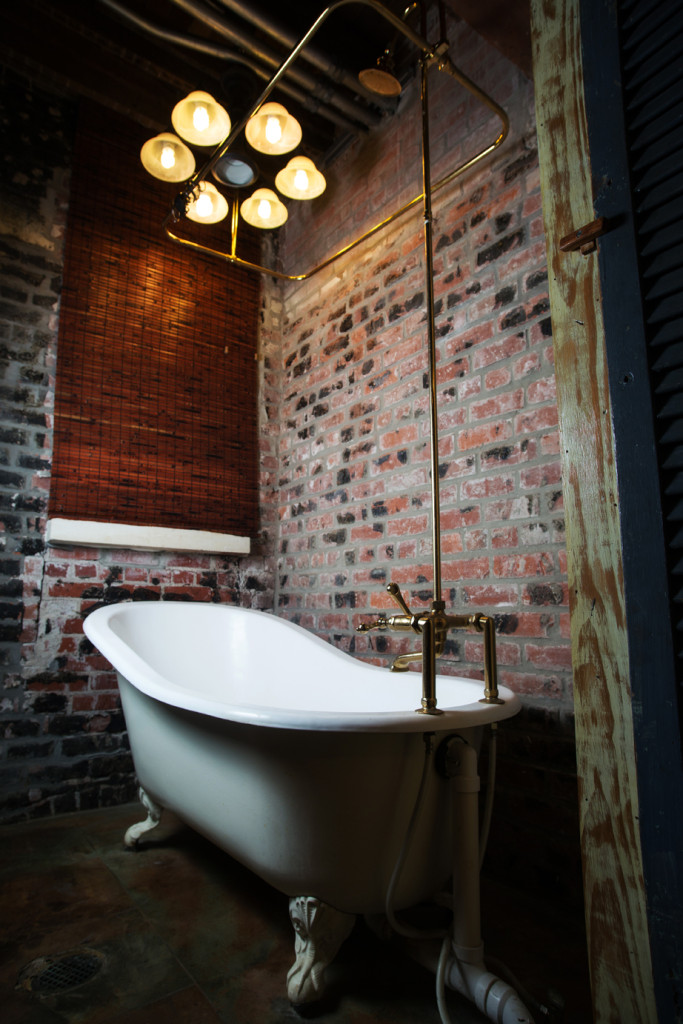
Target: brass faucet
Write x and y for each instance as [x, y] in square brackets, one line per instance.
[433, 626]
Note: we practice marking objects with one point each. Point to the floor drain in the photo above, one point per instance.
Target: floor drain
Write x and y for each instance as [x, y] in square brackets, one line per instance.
[60, 972]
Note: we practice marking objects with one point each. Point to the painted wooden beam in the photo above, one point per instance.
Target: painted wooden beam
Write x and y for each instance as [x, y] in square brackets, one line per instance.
[618, 944]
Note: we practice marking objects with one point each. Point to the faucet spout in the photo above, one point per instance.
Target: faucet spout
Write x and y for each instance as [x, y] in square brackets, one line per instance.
[487, 626]
[428, 704]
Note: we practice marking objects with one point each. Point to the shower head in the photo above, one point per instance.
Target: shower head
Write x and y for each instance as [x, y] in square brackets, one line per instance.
[381, 79]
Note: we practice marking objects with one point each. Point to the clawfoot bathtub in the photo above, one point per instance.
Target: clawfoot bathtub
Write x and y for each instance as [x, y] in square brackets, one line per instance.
[301, 762]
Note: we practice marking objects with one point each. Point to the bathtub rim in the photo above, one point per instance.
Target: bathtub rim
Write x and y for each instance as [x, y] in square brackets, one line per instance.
[127, 663]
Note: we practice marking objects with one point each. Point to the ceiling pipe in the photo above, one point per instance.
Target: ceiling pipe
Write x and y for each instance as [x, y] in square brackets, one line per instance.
[313, 56]
[367, 117]
[222, 53]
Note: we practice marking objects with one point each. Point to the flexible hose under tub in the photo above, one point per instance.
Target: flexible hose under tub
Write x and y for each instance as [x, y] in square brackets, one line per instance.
[490, 787]
[404, 929]
[441, 980]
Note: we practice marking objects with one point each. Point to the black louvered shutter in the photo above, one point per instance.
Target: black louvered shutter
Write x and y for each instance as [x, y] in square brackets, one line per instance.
[633, 75]
[652, 81]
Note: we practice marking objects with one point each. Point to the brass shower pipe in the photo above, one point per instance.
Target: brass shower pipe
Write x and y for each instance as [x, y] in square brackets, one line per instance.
[430, 54]
[432, 625]
[435, 624]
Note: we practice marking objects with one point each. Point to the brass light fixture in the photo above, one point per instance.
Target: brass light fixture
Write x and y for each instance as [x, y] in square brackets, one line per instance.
[208, 205]
[272, 130]
[200, 120]
[431, 55]
[300, 179]
[167, 158]
[236, 170]
[263, 209]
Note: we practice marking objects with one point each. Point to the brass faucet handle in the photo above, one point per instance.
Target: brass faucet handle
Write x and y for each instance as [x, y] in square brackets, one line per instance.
[395, 591]
[380, 623]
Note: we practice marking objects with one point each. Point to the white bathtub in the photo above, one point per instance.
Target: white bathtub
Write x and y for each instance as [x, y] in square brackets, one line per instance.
[299, 760]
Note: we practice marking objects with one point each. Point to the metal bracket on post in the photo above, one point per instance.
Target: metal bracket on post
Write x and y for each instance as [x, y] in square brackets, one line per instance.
[584, 238]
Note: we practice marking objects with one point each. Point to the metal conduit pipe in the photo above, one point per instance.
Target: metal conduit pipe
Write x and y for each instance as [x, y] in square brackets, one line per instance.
[331, 96]
[223, 53]
[313, 56]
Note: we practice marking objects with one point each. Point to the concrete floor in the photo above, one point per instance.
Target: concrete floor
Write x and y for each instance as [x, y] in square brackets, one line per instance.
[182, 934]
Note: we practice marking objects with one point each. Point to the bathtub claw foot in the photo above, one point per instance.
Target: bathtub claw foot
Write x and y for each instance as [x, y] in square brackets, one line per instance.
[319, 932]
[151, 821]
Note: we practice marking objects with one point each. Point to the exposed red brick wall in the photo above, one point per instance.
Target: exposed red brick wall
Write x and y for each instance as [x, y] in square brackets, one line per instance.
[354, 501]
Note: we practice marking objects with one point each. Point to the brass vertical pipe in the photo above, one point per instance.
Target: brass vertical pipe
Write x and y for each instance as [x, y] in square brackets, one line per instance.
[234, 221]
[431, 333]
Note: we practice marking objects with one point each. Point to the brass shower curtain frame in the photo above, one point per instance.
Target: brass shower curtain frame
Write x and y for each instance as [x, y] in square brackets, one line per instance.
[434, 624]
[430, 54]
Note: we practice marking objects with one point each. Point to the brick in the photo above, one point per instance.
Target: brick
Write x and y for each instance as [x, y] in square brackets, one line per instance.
[538, 564]
[488, 486]
[542, 390]
[549, 474]
[500, 404]
[470, 569]
[498, 351]
[453, 519]
[531, 683]
[506, 653]
[539, 419]
[412, 524]
[554, 657]
[86, 571]
[498, 378]
[477, 437]
[399, 438]
[513, 508]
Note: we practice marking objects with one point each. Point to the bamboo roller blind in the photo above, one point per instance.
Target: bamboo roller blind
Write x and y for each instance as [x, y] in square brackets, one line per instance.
[155, 408]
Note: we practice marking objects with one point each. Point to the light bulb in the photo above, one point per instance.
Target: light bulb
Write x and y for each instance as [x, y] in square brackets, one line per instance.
[204, 205]
[167, 158]
[273, 130]
[200, 118]
[263, 209]
[301, 180]
[207, 205]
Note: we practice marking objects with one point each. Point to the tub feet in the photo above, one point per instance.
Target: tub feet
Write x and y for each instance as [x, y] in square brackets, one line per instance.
[151, 821]
[319, 932]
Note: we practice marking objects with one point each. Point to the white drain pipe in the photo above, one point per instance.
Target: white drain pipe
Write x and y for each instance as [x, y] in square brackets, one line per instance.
[495, 998]
[465, 970]
[492, 996]
[458, 961]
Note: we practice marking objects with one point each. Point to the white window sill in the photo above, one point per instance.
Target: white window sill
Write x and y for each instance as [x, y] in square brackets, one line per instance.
[86, 533]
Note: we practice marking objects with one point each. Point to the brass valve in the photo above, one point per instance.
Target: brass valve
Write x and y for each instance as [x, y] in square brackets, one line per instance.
[381, 623]
[433, 626]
